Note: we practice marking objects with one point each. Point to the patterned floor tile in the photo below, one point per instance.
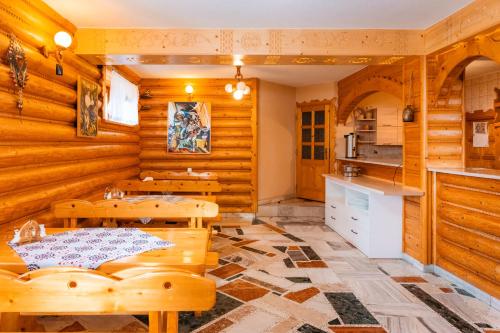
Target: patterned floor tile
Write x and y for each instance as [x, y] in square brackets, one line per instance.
[350, 309]
[329, 286]
[302, 295]
[243, 290]
[311, 264]
[227, 271]
[409, 279]
[360, 329]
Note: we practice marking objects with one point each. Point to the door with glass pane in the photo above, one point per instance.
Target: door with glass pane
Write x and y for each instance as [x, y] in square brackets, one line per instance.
[312, 150]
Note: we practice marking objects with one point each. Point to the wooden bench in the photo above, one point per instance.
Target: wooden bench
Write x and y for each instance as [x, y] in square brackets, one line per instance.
[159, 292]
[202, 187]
[192, 211]
[171, 175]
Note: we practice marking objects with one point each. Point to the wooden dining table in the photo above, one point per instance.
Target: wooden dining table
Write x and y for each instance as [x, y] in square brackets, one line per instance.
[189, 253]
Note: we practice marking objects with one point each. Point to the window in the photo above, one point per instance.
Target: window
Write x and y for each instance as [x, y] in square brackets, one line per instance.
[123, 101]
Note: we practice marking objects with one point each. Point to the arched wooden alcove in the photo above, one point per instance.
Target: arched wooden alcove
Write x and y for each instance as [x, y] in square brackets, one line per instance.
[445, 115]
[360, 90]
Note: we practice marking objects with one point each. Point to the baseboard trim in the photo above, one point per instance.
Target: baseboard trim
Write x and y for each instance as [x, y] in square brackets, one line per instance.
[275, 199]
[473, 290]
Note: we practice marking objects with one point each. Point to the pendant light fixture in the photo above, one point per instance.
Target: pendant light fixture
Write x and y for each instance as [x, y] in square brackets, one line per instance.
[241, 88]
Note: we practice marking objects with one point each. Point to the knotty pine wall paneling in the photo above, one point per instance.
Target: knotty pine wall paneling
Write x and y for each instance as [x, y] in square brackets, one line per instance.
[41, 159]
[234, 137]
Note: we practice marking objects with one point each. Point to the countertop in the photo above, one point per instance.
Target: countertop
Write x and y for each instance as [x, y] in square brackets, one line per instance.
[379, 186]
[380, 161]
[471, 172]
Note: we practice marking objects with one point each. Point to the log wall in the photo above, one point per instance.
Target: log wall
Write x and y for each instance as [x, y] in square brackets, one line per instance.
[234, 137]
[41, 159]
[467, 236]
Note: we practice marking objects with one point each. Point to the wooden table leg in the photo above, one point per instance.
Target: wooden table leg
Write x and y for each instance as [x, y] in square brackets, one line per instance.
[155, 322]
[171, 322]
[10, 322]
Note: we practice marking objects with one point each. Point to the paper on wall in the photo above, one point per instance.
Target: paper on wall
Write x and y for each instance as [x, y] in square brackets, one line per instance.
[480, 134]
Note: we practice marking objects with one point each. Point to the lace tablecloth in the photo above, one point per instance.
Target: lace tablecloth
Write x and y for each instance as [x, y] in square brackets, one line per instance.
[166, 198]
[88, 248]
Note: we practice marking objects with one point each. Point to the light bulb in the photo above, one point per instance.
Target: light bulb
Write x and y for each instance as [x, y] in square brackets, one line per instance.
[238, 94]
[247, 90]
[229, 88]
[241, 85]
[189, 89]
[63, 39]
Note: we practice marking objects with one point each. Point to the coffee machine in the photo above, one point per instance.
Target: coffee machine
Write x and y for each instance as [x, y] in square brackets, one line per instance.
[351, 143]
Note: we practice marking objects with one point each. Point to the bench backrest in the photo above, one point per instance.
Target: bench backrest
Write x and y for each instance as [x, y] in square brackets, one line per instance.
[63, 290]
[176, 186]
[171, 175]
[116, 208]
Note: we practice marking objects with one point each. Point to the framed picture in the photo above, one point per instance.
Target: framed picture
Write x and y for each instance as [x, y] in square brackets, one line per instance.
[189, 128]
[87, 110]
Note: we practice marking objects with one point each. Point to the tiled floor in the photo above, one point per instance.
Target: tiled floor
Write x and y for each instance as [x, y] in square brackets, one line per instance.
[280, 275]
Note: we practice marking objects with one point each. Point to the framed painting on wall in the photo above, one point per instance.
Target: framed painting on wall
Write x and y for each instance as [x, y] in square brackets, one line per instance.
[189, 128]
[87, 108]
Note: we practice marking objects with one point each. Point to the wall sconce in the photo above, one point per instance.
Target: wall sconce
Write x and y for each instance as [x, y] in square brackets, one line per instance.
[63, 40]
[189, 90]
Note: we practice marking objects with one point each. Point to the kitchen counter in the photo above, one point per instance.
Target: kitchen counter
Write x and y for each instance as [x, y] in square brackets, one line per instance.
[471, 172]
[383, 187]
[379, 161]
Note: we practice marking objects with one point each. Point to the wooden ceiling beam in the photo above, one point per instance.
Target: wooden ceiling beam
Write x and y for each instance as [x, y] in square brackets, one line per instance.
[285, 46]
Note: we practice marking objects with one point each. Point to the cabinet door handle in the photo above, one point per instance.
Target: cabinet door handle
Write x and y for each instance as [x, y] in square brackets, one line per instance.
[353, 218]
[333, 218]
[354, 232]
[333, 206]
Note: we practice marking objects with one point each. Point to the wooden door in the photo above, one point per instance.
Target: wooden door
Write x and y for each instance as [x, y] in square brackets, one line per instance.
[313, 144]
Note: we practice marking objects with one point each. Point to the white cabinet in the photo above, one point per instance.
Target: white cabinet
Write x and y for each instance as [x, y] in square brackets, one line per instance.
[369, 220]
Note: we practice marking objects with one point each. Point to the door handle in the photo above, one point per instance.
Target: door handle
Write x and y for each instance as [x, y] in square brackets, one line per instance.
[333, 218]
[333, 206]
[353, 218]
[354, 232]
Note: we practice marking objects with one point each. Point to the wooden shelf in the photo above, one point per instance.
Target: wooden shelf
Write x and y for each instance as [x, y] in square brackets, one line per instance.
[366, 131]
[372, 119]
[366, 142]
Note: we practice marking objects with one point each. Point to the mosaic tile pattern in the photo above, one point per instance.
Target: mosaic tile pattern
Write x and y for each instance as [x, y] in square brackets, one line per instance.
[278, 276]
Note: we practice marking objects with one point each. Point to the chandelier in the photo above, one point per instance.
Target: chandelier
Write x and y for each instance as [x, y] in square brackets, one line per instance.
[241, 87]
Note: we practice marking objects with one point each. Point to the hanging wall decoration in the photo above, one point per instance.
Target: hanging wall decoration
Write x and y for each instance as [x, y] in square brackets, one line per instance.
[87, 107]
[189, 128]
[16, 59]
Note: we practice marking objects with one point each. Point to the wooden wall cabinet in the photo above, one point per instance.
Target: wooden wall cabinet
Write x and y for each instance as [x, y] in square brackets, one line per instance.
[389, 127]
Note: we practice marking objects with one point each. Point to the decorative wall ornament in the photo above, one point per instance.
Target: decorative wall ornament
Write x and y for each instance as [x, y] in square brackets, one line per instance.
[18, 64]
[87, 108]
